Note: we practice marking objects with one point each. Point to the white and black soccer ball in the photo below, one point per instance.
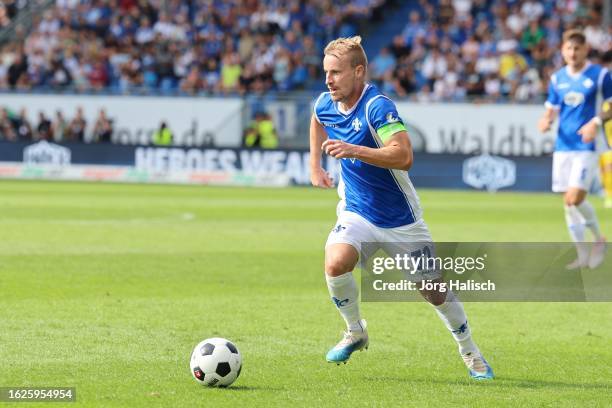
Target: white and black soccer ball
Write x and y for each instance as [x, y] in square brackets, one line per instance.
[215, 362]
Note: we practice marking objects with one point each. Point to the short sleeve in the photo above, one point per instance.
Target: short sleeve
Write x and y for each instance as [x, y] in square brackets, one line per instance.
[552, 101]
[384, 118]
[315, 106]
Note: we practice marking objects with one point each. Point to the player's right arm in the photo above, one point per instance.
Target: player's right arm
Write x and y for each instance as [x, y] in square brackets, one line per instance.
[318, 176]
[552, 107]
[546, 121]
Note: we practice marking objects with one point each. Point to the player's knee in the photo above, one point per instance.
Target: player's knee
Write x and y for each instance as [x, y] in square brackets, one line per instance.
[574, 198]
[434, 297]
[336, 266]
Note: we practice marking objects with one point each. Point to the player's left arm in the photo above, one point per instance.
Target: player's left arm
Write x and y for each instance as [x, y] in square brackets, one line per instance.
[396, 153]
[395, 149]
[589, 130]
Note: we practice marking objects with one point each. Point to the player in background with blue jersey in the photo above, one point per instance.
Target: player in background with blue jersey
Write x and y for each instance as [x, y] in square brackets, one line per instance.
[575, 94]
[357, 124]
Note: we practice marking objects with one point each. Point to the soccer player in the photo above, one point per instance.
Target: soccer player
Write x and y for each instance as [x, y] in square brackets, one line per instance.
[574, 94]
[356, 123]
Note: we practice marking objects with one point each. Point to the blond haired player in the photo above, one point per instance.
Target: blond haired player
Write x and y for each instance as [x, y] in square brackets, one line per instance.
[356, 123]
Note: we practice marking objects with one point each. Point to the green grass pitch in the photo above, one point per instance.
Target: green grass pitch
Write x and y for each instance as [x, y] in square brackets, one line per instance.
[108, 287]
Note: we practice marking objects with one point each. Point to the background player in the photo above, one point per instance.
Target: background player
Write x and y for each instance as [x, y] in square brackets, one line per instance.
[354, 122]
[573, 96]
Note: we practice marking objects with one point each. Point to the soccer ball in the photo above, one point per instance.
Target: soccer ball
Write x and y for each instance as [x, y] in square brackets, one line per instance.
[215, 362]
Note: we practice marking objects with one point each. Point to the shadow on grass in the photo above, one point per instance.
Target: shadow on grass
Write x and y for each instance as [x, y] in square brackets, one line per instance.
[499, 382]
[238, 388]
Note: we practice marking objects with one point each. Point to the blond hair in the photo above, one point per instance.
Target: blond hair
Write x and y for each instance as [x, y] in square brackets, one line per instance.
[348, 46]
[574, 35]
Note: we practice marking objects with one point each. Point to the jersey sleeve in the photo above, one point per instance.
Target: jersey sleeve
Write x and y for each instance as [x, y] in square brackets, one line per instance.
[552, 101]
[316, 106]
[383, 117]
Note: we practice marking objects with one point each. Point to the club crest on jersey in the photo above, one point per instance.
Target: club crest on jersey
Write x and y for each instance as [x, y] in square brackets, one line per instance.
[588, 83]
[357, 125]
[573, 98]
[390, 118]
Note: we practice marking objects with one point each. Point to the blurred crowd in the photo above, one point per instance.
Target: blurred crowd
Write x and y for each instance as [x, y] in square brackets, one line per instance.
[485, 50]
[449, 50]
[191, 46]
[9, 9]
[17, 126]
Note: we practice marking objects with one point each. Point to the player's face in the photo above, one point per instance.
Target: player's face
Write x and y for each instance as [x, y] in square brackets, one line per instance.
[341, 79]
[574, 54]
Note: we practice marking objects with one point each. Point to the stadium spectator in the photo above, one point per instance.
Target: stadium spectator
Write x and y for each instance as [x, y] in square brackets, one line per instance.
[7, 131]
[17, 70]
[415, 27]
[43, 130]
[59, 127]
[163, 136]
[24, 127]
[311, 57]
[474, 82]
[399, 47]
[382, 63]
[4, 17]
[58, 75]
[50, 24]
[267, 132]
[193, 82]
[251, 138]
[532, 36]
[103, 128]
[230, 72]
[261, 132]
[98, 75]
[77, 127]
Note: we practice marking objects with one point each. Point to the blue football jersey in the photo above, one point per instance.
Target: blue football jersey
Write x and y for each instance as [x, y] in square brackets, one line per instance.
[578, 98]
[385, 197]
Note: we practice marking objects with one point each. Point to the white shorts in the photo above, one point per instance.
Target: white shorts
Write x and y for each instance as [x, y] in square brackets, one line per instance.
[573, 170]
[353, 229]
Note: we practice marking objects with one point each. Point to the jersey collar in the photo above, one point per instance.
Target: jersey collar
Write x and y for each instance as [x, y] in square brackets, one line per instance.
[579, 73]
[348, 112]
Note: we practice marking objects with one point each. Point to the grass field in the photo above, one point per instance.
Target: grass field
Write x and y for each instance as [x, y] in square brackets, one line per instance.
[108, 287]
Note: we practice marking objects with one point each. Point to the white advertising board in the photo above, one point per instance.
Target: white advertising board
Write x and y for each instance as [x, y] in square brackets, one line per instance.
[194, 121]
[477, 129]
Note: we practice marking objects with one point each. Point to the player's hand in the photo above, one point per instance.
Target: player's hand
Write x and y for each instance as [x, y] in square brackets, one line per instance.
[339, 149]
[320, 178]
[544, 124]
[588, 131]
